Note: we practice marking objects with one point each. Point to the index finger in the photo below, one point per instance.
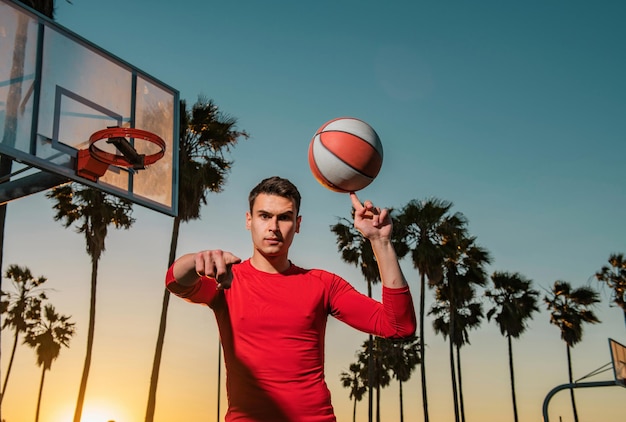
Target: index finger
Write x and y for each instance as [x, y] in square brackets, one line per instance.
[230, 259]
[222, 260]
[356, 203]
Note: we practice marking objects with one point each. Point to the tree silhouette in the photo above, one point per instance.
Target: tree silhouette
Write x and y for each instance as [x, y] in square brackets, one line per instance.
[569, 309]
[466, 314]
[424, 227]
[374, 372]
[357, 250]
[21, 306]
[614, 276]
[93, 211]
[352, 381]
[401, 357]
[463, 268]
[47, 336]
[205, 135]
[15, 96]
[514, 303]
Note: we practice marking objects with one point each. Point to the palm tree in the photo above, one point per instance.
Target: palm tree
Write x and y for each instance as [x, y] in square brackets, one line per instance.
[614, 275]
[374, 368]
[205, 134]
[47, 336]
[466, 316]
[357, 250]
[464, 268]
[514, 303]
[352, 381]
[424, 227]
[14, 98]
[23, 307]
[45, 7]
[401, 357]
[456, 308]
[569, 309]
[93, 211]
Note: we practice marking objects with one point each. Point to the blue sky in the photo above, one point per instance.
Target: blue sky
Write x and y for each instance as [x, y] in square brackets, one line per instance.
[513, 111]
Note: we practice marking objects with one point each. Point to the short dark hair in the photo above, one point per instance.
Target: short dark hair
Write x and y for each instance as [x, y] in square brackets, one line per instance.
[276, 186]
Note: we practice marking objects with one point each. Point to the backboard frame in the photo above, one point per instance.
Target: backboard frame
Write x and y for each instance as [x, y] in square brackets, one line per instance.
[618, 358]
[62, 165]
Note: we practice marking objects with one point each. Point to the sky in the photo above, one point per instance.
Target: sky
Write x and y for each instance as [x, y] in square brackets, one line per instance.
[513, 111]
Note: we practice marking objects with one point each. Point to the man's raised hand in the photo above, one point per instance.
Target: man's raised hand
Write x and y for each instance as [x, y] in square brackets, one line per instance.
[373, 222]
[216, 264]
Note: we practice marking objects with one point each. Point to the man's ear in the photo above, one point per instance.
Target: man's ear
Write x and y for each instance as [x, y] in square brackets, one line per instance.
[248, 220]
[298, 221]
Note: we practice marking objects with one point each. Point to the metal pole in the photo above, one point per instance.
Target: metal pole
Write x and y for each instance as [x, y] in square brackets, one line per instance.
[219, 377]
[575, 385]
[29, 185]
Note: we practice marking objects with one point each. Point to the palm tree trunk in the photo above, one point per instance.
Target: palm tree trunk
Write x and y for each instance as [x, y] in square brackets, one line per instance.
[370, 368]
[451, 337]
[370, 377]
[453, 373]
[14, 95]
[10, 121]
[401, 402]
[90, 335]
[219, 377]
[378, 401]
[511, 371]
[354, 410]
[423, 346]
[43, 377]
[571, 381]
[458, 370]
[6, 377]
[156, 364]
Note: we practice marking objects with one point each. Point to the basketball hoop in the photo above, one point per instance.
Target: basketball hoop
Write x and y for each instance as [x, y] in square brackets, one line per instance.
[93, 162]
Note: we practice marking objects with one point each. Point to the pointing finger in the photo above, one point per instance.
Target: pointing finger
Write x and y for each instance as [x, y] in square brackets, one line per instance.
[356, 203]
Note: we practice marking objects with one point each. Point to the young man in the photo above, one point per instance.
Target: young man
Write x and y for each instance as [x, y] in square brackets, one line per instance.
[272, 314]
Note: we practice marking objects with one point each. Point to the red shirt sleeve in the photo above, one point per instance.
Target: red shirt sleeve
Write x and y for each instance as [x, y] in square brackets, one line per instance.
[393, 318]
[203, 291]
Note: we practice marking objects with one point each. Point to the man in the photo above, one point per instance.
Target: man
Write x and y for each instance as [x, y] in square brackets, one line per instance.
[272, 314]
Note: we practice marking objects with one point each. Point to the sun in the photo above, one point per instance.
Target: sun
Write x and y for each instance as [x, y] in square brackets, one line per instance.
[96, 412]
[97, 415]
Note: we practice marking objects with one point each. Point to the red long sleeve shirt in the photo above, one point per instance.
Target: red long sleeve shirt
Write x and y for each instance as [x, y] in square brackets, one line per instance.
[272, 330]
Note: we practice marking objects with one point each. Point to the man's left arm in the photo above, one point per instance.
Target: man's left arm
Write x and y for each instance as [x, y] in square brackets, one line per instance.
[375, 224]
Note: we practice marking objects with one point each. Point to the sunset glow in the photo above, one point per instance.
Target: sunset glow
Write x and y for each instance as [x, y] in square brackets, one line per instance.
[94, 411]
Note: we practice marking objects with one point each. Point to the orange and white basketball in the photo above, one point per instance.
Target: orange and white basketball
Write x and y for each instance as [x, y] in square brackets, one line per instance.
[345, 155]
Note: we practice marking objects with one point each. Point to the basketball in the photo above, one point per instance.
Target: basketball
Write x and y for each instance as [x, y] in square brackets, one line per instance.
[345, 155]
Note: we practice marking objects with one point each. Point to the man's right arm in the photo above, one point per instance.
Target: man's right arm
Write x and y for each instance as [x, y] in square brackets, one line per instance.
[216, 264]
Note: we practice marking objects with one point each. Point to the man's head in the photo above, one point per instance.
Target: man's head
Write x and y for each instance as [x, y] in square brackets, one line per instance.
[276, 186]
[273, 219]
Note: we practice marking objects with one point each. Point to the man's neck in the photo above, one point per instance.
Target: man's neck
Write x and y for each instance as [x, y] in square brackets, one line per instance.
[270, 264]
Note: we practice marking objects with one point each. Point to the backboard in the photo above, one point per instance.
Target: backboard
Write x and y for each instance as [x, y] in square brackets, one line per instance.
[57, 89]
[618, 356]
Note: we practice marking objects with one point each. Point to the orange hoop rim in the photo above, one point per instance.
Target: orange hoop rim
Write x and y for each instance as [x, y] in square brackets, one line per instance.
[126, 132]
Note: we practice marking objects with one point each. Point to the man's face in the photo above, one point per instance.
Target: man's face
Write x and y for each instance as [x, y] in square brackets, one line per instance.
[273, 222]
